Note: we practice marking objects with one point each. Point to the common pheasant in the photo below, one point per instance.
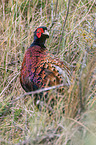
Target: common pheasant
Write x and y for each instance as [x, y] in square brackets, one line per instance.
[41, 69]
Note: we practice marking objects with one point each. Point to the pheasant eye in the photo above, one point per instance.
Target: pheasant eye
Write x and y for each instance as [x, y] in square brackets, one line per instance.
[39, 31]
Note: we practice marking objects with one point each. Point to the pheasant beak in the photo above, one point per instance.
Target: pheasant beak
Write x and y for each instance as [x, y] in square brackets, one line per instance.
[46, 33]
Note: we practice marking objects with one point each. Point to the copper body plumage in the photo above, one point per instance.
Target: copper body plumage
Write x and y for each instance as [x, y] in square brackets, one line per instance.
[41, 69]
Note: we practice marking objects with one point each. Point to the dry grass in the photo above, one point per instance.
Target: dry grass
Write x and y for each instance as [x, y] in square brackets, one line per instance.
[22, 122]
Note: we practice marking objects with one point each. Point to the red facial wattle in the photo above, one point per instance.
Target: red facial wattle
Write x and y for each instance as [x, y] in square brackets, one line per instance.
[39, 32]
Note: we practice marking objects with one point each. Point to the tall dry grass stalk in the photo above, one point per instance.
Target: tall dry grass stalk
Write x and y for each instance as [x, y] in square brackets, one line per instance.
[21, 122]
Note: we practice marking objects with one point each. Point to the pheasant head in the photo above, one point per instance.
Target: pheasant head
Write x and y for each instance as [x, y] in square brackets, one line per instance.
[40, 36]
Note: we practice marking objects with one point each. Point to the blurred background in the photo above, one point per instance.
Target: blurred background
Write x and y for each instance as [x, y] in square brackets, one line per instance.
[74, 42]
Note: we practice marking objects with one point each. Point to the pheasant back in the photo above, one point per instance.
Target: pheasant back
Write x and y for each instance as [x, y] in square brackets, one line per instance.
[40, 69]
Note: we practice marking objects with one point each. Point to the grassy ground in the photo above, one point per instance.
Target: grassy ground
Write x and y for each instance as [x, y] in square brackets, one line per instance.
[21, 122]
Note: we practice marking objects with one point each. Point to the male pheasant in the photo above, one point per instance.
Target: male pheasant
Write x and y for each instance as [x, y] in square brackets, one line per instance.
[41, 69]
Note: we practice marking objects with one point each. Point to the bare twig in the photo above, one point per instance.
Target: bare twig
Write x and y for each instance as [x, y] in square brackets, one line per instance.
[56, 8]
[83, 18]
[53, 21]
[61, 37]
[9, 83]
[29, 93]
[38, 91]
[95, 27]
